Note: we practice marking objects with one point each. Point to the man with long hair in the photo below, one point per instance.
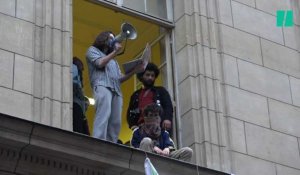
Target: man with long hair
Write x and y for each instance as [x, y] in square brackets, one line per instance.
[106, 78]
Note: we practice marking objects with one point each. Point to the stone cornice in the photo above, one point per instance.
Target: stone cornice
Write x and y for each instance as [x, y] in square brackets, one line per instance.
[31, 148]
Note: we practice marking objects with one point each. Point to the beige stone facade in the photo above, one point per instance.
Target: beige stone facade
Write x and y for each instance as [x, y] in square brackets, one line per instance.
[241, 111]
[238, 77]
[35, 59]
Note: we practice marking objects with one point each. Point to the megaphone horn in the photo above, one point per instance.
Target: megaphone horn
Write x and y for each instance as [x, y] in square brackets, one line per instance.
[127, 32]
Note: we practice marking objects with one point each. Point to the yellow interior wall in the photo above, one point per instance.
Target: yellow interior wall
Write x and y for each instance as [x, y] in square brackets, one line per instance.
[155, 50]
[89, 20]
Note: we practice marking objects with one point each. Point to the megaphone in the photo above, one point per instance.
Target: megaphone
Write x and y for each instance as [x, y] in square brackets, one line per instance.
[127, 32]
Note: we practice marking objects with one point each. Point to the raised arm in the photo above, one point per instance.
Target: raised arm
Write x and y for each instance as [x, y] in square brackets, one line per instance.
[138, 68]
[100, 63]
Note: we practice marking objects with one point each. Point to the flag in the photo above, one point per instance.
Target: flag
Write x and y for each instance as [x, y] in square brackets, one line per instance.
[149, 168]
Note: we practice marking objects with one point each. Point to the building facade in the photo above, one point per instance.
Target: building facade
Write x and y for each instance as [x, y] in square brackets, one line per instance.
[235, 77]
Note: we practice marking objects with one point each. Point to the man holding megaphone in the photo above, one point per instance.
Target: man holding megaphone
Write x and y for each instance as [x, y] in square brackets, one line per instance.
[106, 78]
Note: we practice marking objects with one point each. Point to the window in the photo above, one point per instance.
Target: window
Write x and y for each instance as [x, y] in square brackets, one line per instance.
[90, 18]
[157, 8]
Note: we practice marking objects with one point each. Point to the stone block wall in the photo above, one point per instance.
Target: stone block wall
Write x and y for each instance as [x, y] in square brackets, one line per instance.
[239, 84]
[35, 59]
[238, 77]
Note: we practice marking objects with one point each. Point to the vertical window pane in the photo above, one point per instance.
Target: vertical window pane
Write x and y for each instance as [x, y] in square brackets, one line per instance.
[158, 8]
[163, 62]
[138, 5]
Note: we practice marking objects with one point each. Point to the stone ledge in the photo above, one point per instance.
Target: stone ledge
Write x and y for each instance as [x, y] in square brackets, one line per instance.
[31, 148]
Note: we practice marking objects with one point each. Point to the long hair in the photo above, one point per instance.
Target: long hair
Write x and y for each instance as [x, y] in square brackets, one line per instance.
[102, 41]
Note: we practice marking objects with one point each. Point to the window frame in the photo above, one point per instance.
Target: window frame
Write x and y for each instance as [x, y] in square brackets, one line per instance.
[114, 6]
[170, 62]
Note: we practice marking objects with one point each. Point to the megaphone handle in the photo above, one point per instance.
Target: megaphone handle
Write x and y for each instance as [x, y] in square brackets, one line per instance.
[123, 49]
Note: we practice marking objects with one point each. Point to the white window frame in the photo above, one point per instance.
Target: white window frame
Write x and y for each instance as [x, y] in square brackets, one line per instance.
[119, 3]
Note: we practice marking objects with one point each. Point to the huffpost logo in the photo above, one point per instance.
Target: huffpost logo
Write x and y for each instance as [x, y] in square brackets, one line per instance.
[285, 18]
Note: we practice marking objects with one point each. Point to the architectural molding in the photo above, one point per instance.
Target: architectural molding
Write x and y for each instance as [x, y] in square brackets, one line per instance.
[31, 148]
[198, 34]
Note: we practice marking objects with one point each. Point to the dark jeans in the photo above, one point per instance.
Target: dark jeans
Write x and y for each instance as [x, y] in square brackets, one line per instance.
[79, 121]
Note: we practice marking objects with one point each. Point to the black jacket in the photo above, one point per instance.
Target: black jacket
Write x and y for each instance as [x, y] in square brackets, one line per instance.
[161, 94]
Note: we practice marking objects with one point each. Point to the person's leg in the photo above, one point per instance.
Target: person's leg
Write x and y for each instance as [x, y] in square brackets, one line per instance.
[114, 122]
[103, 98]
[146, 144]
[77, 118]
[184, 154]
[85, 126]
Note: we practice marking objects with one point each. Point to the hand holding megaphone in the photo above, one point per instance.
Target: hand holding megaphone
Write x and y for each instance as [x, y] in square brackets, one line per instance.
[117, 47]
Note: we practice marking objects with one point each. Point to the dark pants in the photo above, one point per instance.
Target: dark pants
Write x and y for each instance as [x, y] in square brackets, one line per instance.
[79, 121]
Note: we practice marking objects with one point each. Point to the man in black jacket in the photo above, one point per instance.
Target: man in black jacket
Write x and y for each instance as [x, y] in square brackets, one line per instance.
[147, 95]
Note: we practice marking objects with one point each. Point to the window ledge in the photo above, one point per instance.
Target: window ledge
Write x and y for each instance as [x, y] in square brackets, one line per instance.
[31, 148]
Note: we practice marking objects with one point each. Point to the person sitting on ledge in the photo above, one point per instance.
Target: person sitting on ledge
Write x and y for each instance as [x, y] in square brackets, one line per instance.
[149, 136]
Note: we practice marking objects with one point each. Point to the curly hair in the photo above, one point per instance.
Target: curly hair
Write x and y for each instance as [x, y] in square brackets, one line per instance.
[150, 67]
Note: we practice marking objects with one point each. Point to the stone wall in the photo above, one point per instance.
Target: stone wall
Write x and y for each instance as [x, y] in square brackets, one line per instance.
[238, 77]
[238, 82]
[35, 59]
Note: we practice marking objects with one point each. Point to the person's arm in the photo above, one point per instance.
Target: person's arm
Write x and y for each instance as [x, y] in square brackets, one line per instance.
[167, 108]
[166, 151]
[158, 150]
[127, 76]
[138, 68]
[168, 141]
[168, 144]
[100, 63]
